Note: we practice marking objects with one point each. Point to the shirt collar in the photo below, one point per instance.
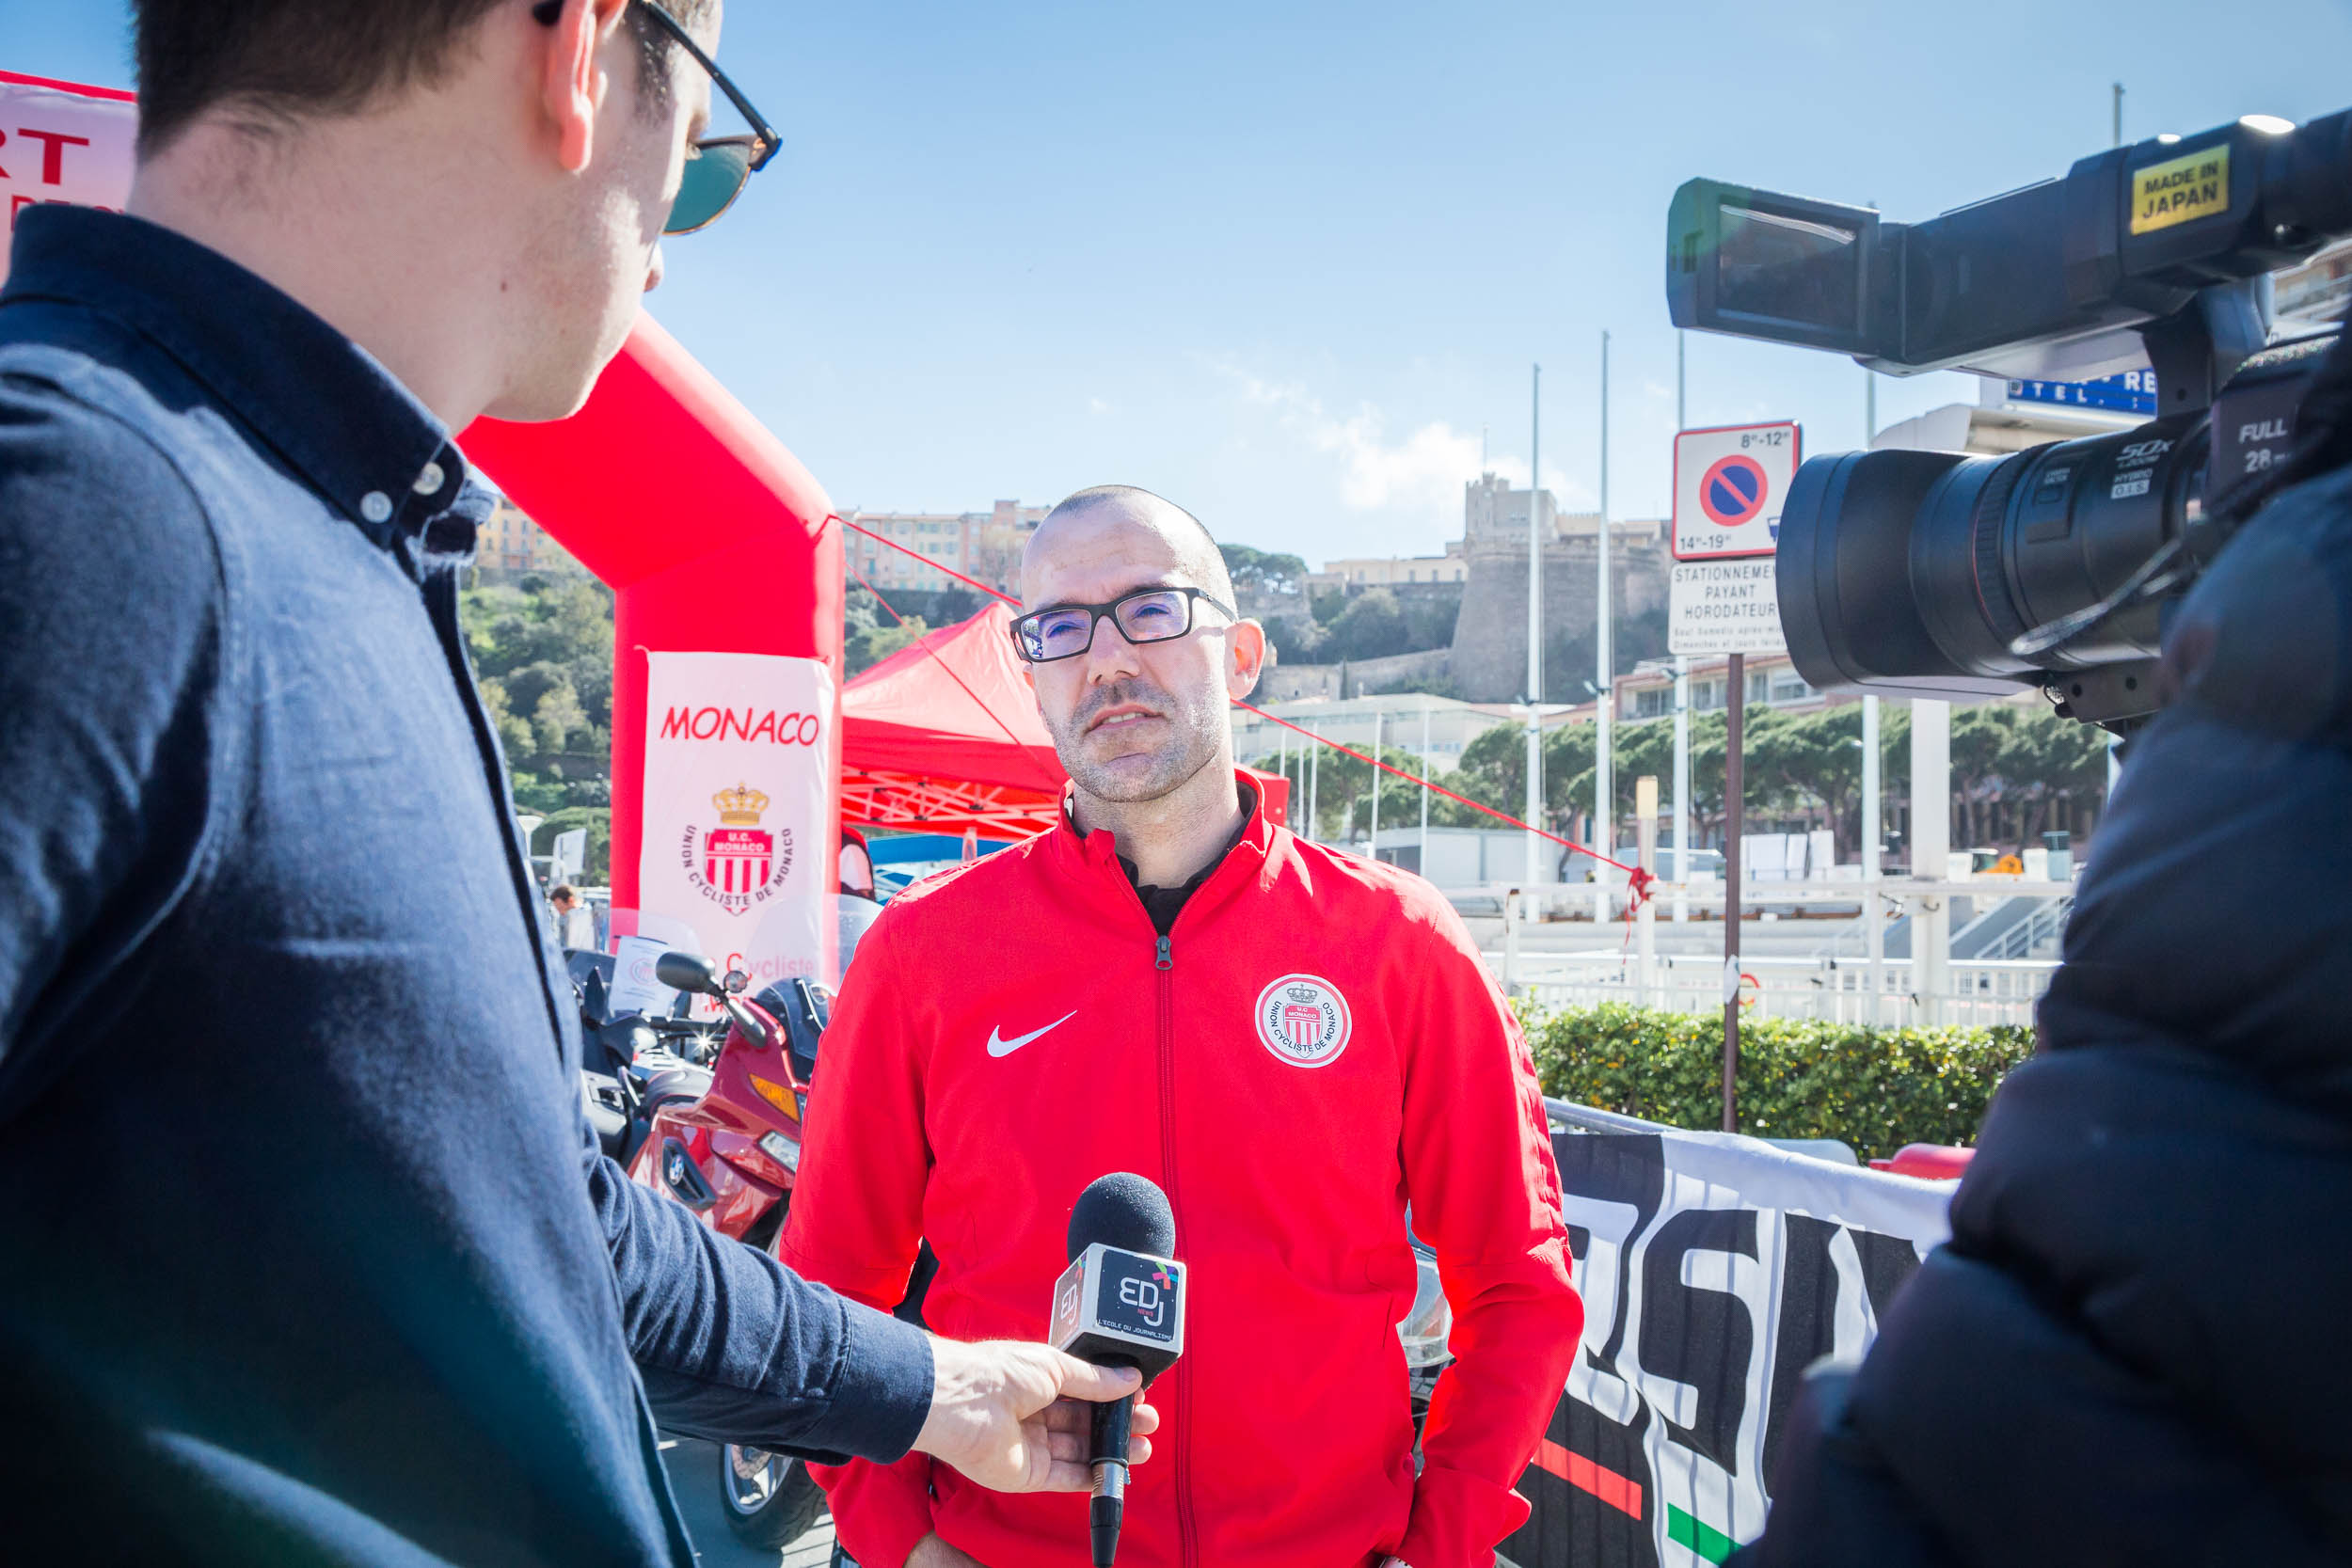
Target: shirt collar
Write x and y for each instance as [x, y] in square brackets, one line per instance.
[322, 402]
[1192, 884]
[1100, 849]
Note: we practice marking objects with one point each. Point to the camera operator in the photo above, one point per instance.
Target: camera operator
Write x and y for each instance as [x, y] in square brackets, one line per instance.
[2132, 1351]
[309, 1256]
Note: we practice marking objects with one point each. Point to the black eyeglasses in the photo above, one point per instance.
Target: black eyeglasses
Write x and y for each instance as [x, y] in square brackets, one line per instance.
[716, 167]
[1146, 615]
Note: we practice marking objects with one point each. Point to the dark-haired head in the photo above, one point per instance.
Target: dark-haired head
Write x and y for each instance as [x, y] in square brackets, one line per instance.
[271, 64]
[474, 190]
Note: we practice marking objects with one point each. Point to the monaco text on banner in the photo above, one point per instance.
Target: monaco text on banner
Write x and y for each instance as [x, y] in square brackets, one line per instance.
[738, 811]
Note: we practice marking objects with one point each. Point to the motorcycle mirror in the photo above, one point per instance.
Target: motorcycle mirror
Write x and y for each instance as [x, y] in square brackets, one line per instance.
[736, 981]
[688, 971]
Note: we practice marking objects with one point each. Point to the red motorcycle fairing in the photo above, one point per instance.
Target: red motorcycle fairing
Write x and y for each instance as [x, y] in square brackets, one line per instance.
[719, 1133]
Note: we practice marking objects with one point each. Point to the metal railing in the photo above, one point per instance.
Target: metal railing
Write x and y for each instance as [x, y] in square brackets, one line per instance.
[2038, 932]
[2000, 986]
[1979, 990]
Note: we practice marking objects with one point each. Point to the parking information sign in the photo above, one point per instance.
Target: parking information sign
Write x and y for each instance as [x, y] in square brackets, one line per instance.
[1728, 485]
[1715, 608]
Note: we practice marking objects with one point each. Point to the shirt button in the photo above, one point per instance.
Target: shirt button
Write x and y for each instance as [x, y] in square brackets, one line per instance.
[429, 482]
[376, 506]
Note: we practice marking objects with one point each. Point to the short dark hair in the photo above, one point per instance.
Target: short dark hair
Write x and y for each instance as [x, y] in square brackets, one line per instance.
[281, 60]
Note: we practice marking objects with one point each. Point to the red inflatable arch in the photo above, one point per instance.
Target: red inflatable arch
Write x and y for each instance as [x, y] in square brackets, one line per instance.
[711, 533]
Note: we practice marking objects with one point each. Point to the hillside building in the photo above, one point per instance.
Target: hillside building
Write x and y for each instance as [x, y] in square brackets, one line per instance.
[985, 545]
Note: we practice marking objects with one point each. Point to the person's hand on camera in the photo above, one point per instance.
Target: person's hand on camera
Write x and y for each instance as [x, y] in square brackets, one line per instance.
[932, 1552]
[1015, 1417]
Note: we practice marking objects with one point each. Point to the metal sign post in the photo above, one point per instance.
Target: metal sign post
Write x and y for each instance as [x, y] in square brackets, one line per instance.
[1729, 484]
[1735, 711]
[1682, 690]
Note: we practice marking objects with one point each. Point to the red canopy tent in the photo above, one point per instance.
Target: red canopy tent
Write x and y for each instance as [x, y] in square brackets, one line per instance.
[943, 734]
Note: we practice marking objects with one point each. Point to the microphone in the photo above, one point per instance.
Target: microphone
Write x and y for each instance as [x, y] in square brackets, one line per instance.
[1119, 1304]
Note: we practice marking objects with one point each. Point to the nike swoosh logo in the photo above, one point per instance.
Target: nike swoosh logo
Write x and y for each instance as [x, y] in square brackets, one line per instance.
[999, 1046]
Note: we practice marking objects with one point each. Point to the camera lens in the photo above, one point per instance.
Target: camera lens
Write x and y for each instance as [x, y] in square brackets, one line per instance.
[1899, 568]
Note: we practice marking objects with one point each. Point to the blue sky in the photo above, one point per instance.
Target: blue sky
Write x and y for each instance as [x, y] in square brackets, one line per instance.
[1283, 262]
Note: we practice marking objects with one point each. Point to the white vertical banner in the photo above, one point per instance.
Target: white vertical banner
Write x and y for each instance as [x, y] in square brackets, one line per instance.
[62, 143]
[740, 809]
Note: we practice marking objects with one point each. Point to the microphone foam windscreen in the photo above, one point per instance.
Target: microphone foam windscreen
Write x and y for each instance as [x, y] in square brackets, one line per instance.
[1125, 1211]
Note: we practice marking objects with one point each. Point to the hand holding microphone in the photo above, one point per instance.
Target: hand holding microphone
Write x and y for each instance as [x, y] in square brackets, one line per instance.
[1008, 1414]
[1121, 1304]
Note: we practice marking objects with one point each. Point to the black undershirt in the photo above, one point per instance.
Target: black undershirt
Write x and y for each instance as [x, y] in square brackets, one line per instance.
[1163, 904]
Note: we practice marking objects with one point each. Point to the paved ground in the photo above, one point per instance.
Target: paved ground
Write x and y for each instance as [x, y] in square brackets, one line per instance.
[695, 1475]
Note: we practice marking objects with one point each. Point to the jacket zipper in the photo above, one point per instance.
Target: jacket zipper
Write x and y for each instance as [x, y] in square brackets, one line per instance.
[1164, 964]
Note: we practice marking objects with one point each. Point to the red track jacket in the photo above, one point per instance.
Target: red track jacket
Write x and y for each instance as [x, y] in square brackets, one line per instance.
[1316, 1044]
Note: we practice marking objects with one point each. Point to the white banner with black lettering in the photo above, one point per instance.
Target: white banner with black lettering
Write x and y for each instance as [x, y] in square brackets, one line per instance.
[739, 810]
[1713, 1268]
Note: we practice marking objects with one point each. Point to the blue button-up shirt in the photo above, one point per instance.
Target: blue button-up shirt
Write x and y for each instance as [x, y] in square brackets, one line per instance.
[306, 1254]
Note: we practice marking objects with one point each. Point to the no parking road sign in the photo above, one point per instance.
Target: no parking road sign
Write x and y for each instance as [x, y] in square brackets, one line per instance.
[1728, 485]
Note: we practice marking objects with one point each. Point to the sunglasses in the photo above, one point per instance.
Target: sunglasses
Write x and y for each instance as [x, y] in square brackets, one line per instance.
[1147, 615]
[716, 167]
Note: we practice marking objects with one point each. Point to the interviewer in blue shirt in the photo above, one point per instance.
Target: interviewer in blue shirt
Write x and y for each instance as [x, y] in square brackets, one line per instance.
[305, 1253]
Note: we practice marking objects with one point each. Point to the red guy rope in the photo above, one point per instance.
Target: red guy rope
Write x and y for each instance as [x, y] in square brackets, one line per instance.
[1053, 785]
[1638, 881]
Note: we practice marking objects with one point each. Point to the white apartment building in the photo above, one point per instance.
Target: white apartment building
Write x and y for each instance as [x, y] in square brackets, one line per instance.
[1647, 690]
[509, 539]
[981, 544]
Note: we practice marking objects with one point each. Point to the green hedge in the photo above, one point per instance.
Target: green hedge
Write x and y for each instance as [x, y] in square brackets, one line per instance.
[1874, 1089]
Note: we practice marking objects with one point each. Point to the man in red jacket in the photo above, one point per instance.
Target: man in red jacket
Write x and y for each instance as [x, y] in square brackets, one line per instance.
[1294, 1044]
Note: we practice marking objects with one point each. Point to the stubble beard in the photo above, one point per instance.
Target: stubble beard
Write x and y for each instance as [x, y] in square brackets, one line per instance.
[1190, 746]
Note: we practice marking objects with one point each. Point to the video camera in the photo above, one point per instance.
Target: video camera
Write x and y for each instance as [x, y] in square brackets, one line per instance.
[1937, 574]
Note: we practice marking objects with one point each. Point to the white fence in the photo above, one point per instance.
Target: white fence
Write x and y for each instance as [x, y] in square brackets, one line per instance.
[2001, 991]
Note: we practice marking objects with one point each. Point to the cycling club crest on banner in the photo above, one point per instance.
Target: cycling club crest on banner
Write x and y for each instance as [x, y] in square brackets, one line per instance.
[738, 807]
[741, 865]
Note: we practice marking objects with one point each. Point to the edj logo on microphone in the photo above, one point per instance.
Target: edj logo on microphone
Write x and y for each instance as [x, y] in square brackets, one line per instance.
[1138, 1295]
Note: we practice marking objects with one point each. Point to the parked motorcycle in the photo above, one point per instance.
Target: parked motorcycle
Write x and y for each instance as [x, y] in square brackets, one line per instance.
[631, 1063]
[731, 1152]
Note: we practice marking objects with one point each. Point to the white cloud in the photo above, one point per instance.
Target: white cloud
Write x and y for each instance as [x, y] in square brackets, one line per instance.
[1422, 473]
